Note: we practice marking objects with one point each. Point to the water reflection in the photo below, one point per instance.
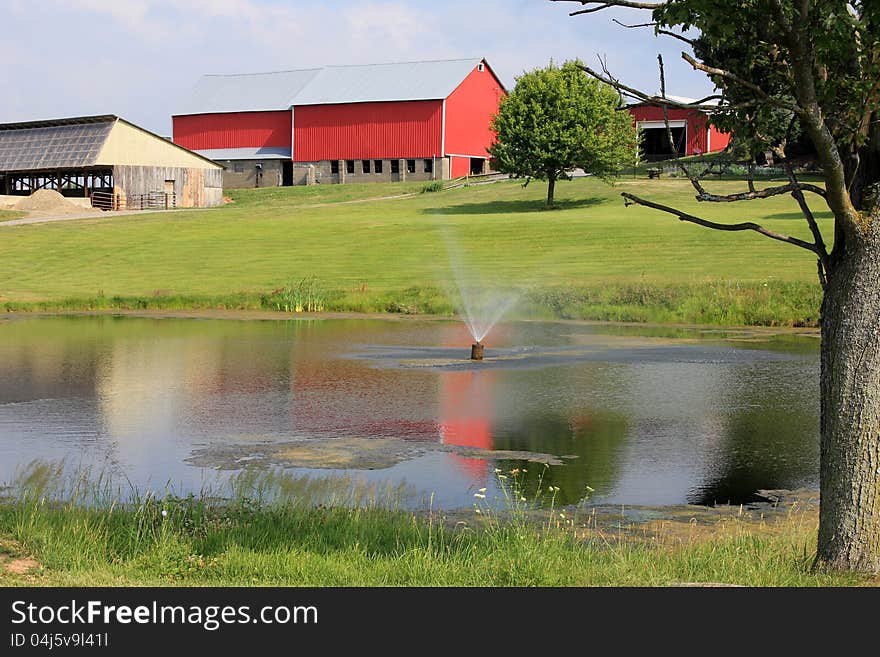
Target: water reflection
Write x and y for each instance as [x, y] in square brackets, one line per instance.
[656, 421]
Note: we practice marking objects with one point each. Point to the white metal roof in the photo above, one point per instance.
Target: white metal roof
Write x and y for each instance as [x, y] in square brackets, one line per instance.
[377, 82]
[259, 153]
[363, 83]
[251, 92]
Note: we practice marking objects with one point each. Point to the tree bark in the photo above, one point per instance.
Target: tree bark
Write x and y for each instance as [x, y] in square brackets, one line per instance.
[849, 517]
[551, 188]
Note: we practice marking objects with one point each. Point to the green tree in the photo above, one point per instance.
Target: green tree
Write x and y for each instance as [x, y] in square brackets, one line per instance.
[810, 67]
[557, 119]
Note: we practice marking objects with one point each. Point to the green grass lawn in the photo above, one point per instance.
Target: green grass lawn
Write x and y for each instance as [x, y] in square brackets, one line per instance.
[592, 258]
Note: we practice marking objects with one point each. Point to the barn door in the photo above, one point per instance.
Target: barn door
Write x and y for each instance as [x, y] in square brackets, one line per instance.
[170, 201]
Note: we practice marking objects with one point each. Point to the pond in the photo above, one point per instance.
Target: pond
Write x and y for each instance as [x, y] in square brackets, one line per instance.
[617, 414]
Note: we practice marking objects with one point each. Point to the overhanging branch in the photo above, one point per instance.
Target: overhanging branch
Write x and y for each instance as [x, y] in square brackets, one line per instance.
[821, 249]
[657, 101]
[631, 199]
[606, 4]
[745, 84]
[656, 27]
[752, 194]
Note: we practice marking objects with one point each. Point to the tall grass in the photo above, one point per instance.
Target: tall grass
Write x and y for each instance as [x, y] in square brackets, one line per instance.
[92, 539]
[769, 303]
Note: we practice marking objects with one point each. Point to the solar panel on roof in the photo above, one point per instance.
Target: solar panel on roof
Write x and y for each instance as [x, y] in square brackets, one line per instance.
[52, 147]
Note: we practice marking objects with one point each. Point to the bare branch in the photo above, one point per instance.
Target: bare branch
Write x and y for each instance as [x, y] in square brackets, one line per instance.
[752, 194]
[821, 249]
[656, 101]
[605, 4]
[748, 225]
[690, 42]
[755, 89]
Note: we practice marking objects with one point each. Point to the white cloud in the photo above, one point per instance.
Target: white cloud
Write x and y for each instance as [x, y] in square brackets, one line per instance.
[138, 56]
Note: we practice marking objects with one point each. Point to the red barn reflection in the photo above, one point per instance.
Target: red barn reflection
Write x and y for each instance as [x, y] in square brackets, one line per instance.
[465, 411]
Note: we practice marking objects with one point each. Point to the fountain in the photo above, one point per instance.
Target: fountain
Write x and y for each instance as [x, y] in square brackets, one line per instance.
[477, 351]
[483, 305]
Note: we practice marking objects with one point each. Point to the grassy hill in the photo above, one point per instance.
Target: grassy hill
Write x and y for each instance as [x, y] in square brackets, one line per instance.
[592, 258]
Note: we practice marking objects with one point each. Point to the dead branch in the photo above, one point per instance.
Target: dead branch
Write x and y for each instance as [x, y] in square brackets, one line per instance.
[680, 37]
[821, 249]
[745, 84]
[631, 199]
[606, 4]
[752, 194]
[656, 101]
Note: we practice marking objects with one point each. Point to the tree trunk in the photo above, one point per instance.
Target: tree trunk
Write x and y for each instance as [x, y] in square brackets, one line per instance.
[849, 517]
[551, 187]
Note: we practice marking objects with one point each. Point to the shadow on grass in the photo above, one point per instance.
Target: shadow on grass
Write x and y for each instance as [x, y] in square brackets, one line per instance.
[796, 215]
[513, 207]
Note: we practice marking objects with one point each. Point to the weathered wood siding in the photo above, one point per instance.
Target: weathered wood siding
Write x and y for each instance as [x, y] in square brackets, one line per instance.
[194, 188]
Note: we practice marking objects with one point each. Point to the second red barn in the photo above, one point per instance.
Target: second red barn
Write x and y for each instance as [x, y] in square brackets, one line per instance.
[692, 131]
[337, 124]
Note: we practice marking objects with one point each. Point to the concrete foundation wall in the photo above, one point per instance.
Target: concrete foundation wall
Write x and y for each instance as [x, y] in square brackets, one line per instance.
[243, 174]
[324, 171]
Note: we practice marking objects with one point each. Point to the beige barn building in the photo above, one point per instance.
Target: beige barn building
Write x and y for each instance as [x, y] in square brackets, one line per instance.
[107, 159]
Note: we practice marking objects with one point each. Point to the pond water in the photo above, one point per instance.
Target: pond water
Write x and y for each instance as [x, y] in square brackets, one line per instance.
[638, 415]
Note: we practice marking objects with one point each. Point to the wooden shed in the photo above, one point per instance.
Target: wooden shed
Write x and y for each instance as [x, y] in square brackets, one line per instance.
[114, 163]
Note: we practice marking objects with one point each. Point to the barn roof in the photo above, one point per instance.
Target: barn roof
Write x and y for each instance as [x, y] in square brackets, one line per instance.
[361, 83]
[683, 100]
[69, 143]
[250, 92]
[256, 153]
[61, 143]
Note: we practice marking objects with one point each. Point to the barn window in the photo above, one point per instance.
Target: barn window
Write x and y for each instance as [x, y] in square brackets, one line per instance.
[378, 166]
[480, 67]
[395, 166]
[334, 166]
[429, 166]
[238, 167]
[366, 166]
[411, 166]
[349, 166]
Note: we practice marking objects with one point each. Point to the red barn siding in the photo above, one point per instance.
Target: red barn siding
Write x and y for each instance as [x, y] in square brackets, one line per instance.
[696, 127]
[393, 129]
[461, 166]
[233, 130]
[718, 140]
[469, 111]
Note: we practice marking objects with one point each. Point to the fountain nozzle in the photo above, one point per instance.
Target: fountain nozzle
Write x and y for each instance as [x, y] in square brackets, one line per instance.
[477, 351]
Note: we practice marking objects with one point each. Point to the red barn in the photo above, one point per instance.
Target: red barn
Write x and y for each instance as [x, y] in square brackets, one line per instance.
[359, 123]
[691, 131]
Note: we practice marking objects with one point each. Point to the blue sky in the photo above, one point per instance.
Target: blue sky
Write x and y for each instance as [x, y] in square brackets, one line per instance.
[136, 58]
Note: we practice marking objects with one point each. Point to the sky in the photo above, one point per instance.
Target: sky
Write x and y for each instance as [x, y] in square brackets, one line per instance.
[139, 58]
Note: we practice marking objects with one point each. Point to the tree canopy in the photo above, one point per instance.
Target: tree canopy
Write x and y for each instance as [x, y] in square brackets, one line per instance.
[557, 119]
[784, 68]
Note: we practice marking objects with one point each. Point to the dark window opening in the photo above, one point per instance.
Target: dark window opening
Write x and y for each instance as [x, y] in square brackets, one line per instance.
[334, 166]
[477, 166]
[429, 166]
[238, 167]
[411, 166]
[378, 166]
[366, 166]
[287, 173]
[655, 143]
[349, 166]
[395, 166]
